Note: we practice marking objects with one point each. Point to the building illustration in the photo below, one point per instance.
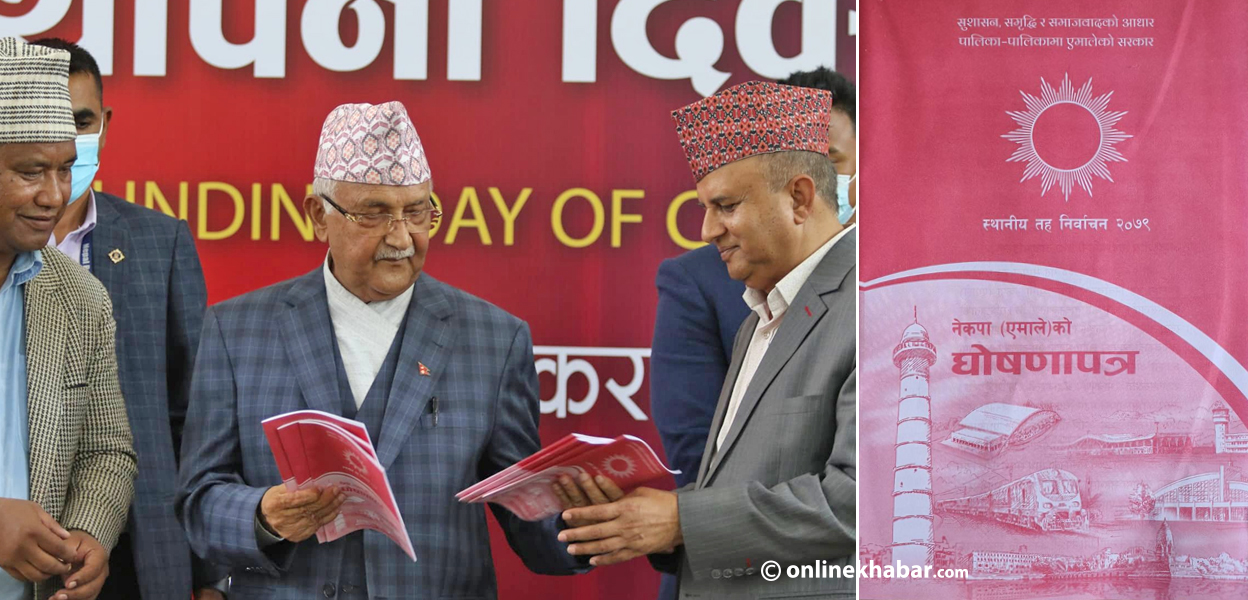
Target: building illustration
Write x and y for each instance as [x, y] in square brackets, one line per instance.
[912, 474]
[1202, 497]
[1223, 442]
[990, 429]
[1161, 561]
[1132, 445]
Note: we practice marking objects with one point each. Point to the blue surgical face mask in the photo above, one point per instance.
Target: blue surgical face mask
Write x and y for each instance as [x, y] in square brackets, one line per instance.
[87, 164]
[844, 212]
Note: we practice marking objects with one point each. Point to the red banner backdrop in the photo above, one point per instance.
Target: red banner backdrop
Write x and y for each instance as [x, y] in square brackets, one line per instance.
[547, 128]
[1052, 320]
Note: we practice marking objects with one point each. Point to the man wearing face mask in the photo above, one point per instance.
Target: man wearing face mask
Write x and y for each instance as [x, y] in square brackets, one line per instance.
[700, 309]
[148, 263]
[842, 134]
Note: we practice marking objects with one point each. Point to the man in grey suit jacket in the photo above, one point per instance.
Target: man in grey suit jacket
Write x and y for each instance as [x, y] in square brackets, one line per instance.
[777, 479]
[444, 383]
[148, 263]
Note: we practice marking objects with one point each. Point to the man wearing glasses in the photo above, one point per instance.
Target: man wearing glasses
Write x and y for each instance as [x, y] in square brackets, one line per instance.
[443, 381]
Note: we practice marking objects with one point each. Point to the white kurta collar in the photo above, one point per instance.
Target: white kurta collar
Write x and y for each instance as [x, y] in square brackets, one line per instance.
[365, 331]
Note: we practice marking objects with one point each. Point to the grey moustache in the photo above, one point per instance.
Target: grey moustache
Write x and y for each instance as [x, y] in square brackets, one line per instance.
[394, 253]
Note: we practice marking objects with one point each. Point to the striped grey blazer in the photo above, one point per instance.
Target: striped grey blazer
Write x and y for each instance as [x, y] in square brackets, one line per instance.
[782, 487]
[82, 463]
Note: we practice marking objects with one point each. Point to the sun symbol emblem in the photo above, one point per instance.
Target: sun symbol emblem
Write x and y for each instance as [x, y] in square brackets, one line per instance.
[1066, 161]
[619, 466]
[355, 463]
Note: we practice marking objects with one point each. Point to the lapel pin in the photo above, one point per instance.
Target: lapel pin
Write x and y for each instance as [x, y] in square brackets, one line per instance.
[808, 313]
[424, 371]
[116, 256]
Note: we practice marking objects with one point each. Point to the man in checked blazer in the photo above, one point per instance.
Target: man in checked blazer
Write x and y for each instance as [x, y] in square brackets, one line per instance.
[148, 263]
[777, 478]
[443, 381]
[66, 463]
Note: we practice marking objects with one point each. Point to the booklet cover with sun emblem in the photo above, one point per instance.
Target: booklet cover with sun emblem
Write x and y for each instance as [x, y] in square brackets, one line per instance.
[1053, 261]
[316, 449]
[525, 488]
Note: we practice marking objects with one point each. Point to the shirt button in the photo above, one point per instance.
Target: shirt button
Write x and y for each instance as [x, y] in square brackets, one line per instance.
[329, 590]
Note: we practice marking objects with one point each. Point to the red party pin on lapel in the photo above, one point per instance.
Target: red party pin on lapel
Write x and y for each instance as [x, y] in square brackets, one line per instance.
[424, 371]
[808, 313]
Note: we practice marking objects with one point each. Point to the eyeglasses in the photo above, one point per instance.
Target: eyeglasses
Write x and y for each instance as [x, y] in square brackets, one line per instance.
[417, 220]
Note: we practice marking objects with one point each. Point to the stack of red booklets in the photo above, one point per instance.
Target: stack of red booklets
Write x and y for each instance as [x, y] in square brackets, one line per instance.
[316, 449]
[525, 488]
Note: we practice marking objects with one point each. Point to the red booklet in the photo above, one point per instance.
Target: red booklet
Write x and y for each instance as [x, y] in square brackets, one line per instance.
[316, 449]
[525, 488]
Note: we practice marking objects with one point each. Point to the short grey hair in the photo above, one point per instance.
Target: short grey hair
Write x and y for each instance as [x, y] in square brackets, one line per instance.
[323, 188]
[784, 166]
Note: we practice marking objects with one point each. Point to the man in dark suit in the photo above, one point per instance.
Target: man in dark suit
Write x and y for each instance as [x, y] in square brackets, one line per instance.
[147, 262]
[700, 309]
[443, 381]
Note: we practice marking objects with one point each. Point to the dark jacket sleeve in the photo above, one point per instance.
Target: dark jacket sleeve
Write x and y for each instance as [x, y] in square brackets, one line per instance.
[687, 368]
[214, 504]
[514, 437]
[188, 298]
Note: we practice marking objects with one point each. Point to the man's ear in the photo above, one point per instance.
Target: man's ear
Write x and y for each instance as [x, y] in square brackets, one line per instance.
[106, 117]
[801, 191]
[315, 207]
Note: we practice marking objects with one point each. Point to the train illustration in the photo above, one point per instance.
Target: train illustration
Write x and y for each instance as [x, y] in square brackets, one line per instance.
[1047, 500]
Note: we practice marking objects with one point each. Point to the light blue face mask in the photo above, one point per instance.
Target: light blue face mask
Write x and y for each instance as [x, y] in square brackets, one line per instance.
[844, 212]
[87, 164]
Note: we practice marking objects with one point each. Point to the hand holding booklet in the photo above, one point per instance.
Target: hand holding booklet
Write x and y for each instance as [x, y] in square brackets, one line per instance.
[525, 488]
[316, 449]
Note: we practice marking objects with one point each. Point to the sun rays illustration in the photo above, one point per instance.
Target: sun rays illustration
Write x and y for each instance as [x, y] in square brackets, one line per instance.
[619, 466]
[1096, 165]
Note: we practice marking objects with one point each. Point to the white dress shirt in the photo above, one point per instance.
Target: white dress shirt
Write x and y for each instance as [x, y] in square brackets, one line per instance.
[770, 308]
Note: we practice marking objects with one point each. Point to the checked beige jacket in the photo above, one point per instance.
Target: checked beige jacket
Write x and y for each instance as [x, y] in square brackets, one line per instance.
[82, 464]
